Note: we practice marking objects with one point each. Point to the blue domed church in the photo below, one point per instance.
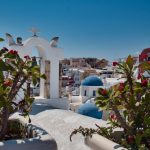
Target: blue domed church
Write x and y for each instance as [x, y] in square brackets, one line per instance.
[91, 110]
[88, 90]
[90, 85]
[84, 103]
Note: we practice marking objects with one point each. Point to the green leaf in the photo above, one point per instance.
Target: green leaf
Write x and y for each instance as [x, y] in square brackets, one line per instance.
[3, 66]
[43, 76]
[145, 66]
[1, 39]
[30, 100]
[117, 93]
[147, 132]
[147, 121]
[138, 139]
[34, 80]
[1, 76]
[130, 61]
[35, 68]
[11, 56]
[103, 108]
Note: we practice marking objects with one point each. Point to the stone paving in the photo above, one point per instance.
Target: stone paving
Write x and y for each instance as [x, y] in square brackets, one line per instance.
[60, 123]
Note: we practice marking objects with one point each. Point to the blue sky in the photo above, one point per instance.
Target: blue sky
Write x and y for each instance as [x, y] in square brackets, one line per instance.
[87, 28]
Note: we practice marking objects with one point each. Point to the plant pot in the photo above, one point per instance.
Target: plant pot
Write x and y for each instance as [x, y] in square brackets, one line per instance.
[98, 142]
[40, 140]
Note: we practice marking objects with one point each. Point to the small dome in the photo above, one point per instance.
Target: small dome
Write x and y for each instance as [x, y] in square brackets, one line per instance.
[92, 81]
[89, 109]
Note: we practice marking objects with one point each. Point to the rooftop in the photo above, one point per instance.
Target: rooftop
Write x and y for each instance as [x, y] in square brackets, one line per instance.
[92, 81]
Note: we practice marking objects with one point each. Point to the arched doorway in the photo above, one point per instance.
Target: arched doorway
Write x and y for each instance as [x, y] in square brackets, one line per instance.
[45, 65]
[37, 61]
[49, 63]
[47, 82]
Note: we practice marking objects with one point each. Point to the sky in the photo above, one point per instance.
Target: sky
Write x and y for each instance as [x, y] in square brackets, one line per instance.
[87, 28]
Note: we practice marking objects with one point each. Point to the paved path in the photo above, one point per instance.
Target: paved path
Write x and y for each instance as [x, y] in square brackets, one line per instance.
[60, 123]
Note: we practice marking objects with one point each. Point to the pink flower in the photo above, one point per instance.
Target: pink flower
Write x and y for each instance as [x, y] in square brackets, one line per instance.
[8, 82]
[27, 57]
[115, 63]
[13, 52]
[144, 83]
[139, 76]
[121, 86]
[113, 117]
[130, 139]
[103, 92]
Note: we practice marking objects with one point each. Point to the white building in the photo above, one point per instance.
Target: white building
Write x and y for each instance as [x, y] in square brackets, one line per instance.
[90, 85]
[75, 73]
[77, 78]
[107, 72]
[50, 55]
[88, 90]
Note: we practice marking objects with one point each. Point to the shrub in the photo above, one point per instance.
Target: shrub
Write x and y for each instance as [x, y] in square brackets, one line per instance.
[15, 72]
[129, 104]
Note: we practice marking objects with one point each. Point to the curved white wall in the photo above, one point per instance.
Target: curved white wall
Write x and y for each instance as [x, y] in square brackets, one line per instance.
[47, 52]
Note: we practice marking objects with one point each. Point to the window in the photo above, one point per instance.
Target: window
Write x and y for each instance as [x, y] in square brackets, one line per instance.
[85, 93]
[94, 93]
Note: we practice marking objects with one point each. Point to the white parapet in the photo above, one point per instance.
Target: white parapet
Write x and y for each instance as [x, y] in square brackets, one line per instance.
[60, 103]
[98, 142]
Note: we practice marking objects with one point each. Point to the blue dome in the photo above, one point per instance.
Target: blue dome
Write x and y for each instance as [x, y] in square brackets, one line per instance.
[89, 109]
[92, 81]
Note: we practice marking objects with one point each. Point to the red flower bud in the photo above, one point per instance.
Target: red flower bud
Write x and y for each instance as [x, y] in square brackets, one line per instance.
[115, 63]
[27, 57]
[139, 76]
[121, 87]
[130, 139]
[144, 83]
[103, 92]
[113, 117]
[13, 52]
[8, 82]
